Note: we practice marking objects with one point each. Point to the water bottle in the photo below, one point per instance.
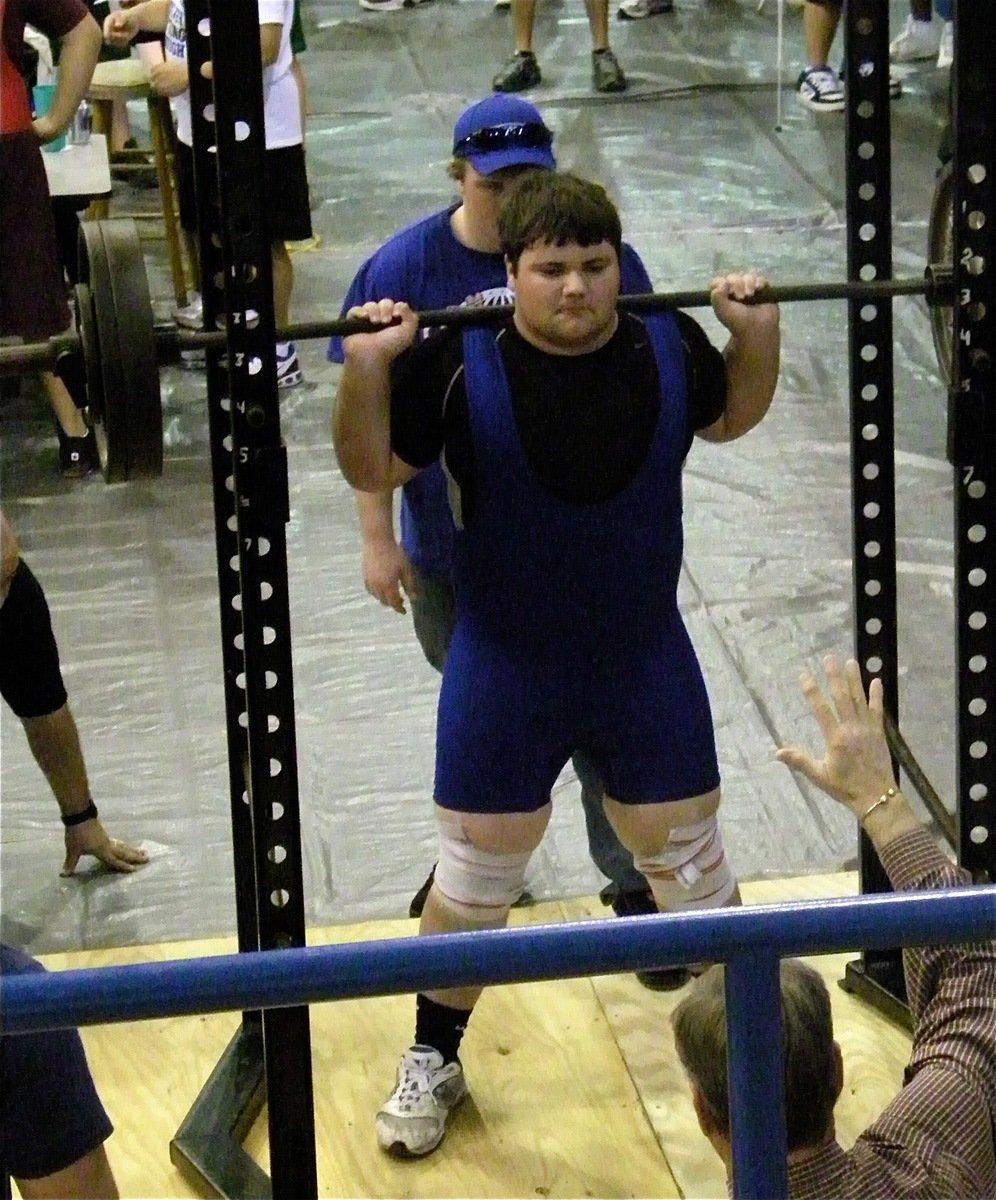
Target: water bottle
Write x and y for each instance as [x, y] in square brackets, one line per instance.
[78, 133]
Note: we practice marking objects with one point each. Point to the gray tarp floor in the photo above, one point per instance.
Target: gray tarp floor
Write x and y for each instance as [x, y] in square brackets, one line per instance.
[705, 184]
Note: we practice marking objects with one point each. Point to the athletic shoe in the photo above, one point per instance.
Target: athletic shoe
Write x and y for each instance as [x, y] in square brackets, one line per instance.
[191, 316]
[389, 5]
[288, 367]
[78, 456]
[895, 83]
[413, 1119]
[638, 10]
[520, 72]
[945, 52]
[503, 3]
[606, 73]
[821, 90]
[641, 904]
[918, 40]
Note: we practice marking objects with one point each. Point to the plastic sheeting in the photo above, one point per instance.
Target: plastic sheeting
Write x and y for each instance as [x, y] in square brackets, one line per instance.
[704, 184]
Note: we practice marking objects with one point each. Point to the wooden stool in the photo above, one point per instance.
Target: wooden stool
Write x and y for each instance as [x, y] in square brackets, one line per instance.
[125, 79]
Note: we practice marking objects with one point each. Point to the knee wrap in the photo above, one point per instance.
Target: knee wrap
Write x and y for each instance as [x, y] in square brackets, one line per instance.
[477, 886]
[691, 871]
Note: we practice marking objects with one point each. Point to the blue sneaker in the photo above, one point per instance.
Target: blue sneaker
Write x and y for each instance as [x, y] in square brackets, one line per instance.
[288, 367]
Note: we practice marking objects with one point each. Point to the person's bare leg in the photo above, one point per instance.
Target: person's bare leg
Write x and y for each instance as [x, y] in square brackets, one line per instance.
[598, 23]
[55, 743]
[66, 413]
[523, 20]
[820, 23]
[283, 284]
[500, 833]
[89, 1178]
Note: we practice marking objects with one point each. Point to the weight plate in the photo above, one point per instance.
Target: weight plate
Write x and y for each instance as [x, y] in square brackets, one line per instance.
[110, 417]
[128, 418]
[86, 331]
[141, 397]
[940, 251]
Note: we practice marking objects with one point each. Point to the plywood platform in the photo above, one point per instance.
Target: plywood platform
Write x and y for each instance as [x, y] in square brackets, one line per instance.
[575, 1085]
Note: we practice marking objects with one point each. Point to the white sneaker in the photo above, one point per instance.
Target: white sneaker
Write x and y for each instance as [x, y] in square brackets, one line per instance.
[821, 90]
[413, 1119]
[945, 52]
[191, 316]
[638, 10]
[918, 40]
[503, 3]
[388, 5]
[288, 367]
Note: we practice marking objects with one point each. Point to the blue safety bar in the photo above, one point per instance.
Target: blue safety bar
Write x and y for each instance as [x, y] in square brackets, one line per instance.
[751, 941]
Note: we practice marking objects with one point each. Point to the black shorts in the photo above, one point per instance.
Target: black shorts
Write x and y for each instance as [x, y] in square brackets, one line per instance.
[50, 1113]
[287, 207]
[30, 678]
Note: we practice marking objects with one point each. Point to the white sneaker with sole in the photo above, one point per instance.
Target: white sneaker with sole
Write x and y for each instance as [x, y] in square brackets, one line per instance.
[918, 40]
[389, 5]
[288, 367]
[191, 316]
[413, 1119]
[639, 10]
[821, 90]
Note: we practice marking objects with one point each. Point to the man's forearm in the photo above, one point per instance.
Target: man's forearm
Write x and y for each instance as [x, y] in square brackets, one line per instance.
[361, 425]
[752, 364]
[376, 513]
[79, 50]
[151, 16]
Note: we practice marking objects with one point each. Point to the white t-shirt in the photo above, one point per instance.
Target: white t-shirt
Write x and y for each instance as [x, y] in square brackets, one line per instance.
[281, 104]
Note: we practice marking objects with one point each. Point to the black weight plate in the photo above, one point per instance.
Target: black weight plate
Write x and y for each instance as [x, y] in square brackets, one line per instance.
[110, 420]
[86, 330]
[940, 250]
[141, 397]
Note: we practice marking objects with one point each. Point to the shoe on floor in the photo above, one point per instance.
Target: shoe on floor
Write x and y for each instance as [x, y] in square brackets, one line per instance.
[503, 3]
[78, 456]
[641, 904]
[191, 316]
[918, 40]
[895, 83]
[288, 367]
[413, 1119]
[638, 10]
[388, 5]
[945, 52]
[821, 90]
[606, 73]
[520, 72]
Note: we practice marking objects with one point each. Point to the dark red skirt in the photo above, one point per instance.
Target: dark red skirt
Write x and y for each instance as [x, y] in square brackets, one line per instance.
[32, 288]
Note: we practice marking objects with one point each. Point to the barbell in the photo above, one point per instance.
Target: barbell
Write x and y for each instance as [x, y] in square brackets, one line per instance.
[117, 347]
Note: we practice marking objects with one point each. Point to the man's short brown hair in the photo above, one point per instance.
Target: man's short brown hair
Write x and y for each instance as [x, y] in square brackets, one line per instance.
[558, 208]
[811, 1088]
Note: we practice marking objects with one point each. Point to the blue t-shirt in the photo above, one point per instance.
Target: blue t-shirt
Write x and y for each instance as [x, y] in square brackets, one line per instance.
[426, 265]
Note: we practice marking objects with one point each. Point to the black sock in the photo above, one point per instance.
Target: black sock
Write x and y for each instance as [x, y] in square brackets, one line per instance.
[440, 1026]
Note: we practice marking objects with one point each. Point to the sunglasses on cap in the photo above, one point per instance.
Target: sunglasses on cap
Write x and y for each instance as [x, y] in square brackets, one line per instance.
[492, 138]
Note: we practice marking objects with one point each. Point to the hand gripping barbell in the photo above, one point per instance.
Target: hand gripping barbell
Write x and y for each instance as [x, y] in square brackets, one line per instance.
[120, 348]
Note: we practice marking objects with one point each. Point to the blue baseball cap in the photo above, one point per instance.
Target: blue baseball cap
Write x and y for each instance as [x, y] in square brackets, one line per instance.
[503, 131]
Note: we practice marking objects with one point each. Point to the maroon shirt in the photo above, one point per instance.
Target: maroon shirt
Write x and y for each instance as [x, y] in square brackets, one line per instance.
[55, 18]
[936, 1139]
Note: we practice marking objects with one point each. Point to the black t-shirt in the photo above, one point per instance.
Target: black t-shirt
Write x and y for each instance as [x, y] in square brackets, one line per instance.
[586, 421]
